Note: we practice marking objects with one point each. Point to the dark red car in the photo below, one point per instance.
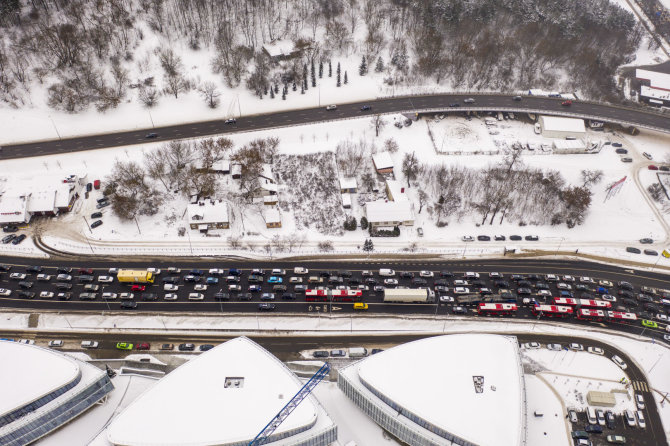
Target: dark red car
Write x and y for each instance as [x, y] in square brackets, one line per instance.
[86, 271]
[652, 167]
[142, 346]
[138, 288]
[566, 103]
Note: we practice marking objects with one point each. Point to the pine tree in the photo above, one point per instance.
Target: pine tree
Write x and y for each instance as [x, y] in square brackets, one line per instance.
[283, 94]
[302, 89]
[272, 93]
[313, 74]
[330, 69]
[320, 69]
[265, 90]
[304, 84]
[346, 78]
[276, 88]
[295, 87]
[380, 65]
[363, 68]
[364, 223]
[339, 81]
[368, 246]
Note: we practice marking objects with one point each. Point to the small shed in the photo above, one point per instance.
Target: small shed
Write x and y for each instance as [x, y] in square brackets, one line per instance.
[280, 49]
[383, 162]
[236, 171]
[222, 167]
[346, 201]
[348, 185]
[272, 218]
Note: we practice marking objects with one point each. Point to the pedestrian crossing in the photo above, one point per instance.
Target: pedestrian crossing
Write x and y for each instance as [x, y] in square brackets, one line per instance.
[640, 386]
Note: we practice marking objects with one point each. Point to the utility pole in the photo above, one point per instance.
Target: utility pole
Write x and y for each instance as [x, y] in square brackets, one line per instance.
[138, 224]
[56, 128]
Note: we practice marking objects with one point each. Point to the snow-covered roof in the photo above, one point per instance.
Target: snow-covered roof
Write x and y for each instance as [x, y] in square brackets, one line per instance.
[554, 123]
[268, 186]
[206, 211]
[13, 209]
[224, 396]
[649, 92]
[279, 48]
[396, 190]
[566, 144]
[63, 195]
[223, 165]
[43, 200]
[346, 200]
[655, 78]
[29, 373]
[272, 216]
[266, 172]
[348, 183]
[388, 211]
[488, 415]
[382, 160]
[236, 169]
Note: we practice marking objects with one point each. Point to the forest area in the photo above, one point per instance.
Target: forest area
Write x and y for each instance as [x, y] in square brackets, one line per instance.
[79, 54]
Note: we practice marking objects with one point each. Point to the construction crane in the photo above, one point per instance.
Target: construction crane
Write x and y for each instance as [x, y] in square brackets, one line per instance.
[264, 435]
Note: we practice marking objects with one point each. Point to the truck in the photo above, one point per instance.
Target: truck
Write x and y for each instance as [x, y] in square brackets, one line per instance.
[135, 276]
[417, 295]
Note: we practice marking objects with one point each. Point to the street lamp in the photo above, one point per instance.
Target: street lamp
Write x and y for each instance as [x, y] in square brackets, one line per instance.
[559, 246]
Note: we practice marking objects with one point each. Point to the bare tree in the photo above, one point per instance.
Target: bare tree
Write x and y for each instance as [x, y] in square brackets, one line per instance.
[423, 199]
[211, 94]
[148, 96]
[391, 145]
[377, 123]
[410, 167]
[591, 177]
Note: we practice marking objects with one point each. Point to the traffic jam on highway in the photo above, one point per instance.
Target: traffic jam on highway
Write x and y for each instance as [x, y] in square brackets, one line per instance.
[486, 294]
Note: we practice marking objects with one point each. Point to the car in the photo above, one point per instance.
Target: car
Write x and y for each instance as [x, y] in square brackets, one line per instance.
[605, 283]
[151, 135]
[171, 279]
[289, 296]
[495, 275]
[563, 286]
[89, 344]
[173, 270]
[595, 350]
[425, 273]
[664, 168]
[233, 287]
[105, 279]
[201, 287]
[469, 100]
[113, 271]
[26, 294]
[43, 277]
[170, 287]
[650, 252]
[300, 288]
[516, 98]
[662, 317]
[566, 103]
[610, 420]
[459, 310]
[282, 288]
[499, 238]
[96, 223]
[168, 347]
[10, 228]
[390, 282]
[338, 353]
[254, 288]
[580, 435]
[275, 279]
[366, 108]
[5, 292]
[104, 204]
[331, 107]
[532, 345]
[149, 296]
[243, 296]
[128, 305]
[266, 306]
[64, 296]
[142, 346]
[594, 429]
[532, 238]
[191, 278]
[46, 294]
[17, 276]
[629, 416]
[268, 296]
[515, 237]
[124, 346]
[468, 238]
[647, 155]
[640, 419]
[618, 361]
[56, 343]
[126, 296]
[320, 354]
[446, 299]
[212, 280]
[96, 215]
[626, 159]
[205, 347]
[138, 288]
[8, 238]
[171, 296]
[616, 439]
[621, 151]
[25, 284]
[196, 296]
[19, 239]
[230, 121]
[652, 167]
[454, 104]
[524, 291]
[639, 401]
[406, 274]
[186, 347]
[625, 285]
[633, 250]
[575, 346]
[555, 347]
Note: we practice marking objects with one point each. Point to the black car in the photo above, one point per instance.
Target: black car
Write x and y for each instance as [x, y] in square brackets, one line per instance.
[290, 296]
[625, 285]
[128, 305]
[86, 278]
[96, 215]
[664, 168]
[542, 286]
[25, 284]
[454, 104]
[646, 241]
[501, 283]
[629, 302]
[64, 270]
[149, 296]
[533, 277]
[594, 429]
[151, 135]
[34, 269]
[483, 238]
[582, 287]
[419, 281]
[354, 280]
[8, 238]
[245, 296]
[186, 347]
[101, 200]
[532, 238]
[524, 283]
[192, 278]
[650, 252]
[196, 272]
[524, 291]
[324, 274]
[26, 294]
[266, 306]
[171, 279]
[407, 275]
[89, 187]
[621, 151]
[64, 286]
[96, 223]
[478, 283]
[10, 228]
[321, 354]
[515, 237]
[5, 268]
[517, 277]
[627, 294]
[610, 420]
[222, 296]
[446, 274]
[230, 121]
[633, 250]
[205, 347]
[346, 274]
[366, 108]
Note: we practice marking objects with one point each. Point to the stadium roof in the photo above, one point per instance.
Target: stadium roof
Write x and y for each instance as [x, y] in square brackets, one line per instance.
[29, 373]
[226, 395]
[435, 378]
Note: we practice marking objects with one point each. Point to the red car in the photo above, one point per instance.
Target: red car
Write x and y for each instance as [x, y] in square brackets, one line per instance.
[652, 167]
[138, 288]
[86, 271]
[142, 346]
[567, 103]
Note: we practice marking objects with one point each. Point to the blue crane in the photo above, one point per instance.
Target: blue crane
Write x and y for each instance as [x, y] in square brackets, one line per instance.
[303, 393]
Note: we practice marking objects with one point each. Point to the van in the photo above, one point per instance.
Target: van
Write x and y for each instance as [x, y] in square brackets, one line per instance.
[360, 306]
[385, 272]
[591, 415]
[357, 352]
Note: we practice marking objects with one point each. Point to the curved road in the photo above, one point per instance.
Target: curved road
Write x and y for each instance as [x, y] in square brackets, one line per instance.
[420, 104]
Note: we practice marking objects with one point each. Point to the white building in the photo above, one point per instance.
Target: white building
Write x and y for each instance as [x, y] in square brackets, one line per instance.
[346, 201]
[348, 185]
[568, 146]
[272, 218]
[42, 390]
[382, 162]
[472, 392]
[557, 127]
[223, 397]
[280, 49]
[395, 191]
[389, 213]
[208, 214]
[14, 210]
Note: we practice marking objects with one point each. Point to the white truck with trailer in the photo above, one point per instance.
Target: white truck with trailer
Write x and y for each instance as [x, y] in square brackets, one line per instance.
[409, 295]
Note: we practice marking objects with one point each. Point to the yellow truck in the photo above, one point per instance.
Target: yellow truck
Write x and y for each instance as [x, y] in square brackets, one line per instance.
[135, 276]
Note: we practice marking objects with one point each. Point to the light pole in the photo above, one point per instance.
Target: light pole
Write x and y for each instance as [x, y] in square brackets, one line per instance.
[559, 247]
[152, 119]
[188, 233]
[239, 107]
[56, 128]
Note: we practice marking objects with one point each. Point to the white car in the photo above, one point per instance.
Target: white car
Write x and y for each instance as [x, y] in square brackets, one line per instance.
[300, 270]
[64, 278]
[17, 276]
[618, 361]
[174, 270]
[216, 272]
[575, 346]
[551, 277]
[533, 345]
[468, 238]
[605, 283]
[156, 271]
[331, 107]
[555, 347]
[446, 299]
[426, 274]
[170, 296]
[564, 286]
[461, 290]
[595, 350]
[662, 317]
[545, 293]
[568, 279]
[390, 282]
[200, 287]
[47, 294]
[89, 344]
[295, 280]
[126, 296]
[495, 275]
[43, 277]
[586, 279]
[461, 282]
[471, 275]
[170, 287]
[56, 343]
[114, 271]
[26, 341]
[109, 295]
[608, 297]
[640, 419]
[232, 287]
[639, 401]
[5, 292]
[196, 296]
[105, 279]
[278, 272]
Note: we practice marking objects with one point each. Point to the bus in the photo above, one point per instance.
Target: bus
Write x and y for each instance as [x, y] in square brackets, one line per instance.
[591, 314]
[135, 276]
[552, 310]
[584, 303]
[488, 309]
[620, 316]
[316, 295]
[347, 295]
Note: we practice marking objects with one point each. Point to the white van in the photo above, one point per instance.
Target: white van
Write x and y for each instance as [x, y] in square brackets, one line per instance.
[591, 415]
[386, 272]
[358, 352]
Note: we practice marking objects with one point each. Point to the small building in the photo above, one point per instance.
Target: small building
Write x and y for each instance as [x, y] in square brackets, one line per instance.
[389, 213]
[265, 188]
[222, 167]
[395, 191]
[654, 81]
[14, 210]
[208, 214]
[558, 127]
[348, 185]
[568, 146]
[602, 399]
[383, 162]
[280, 49]
[66, 195]
[272, 218]
[266, 174]
[43, 202]
[270, 200]
[236, 171]
[346, 201]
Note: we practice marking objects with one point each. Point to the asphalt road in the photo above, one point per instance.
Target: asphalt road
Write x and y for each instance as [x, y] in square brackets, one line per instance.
[433, 103]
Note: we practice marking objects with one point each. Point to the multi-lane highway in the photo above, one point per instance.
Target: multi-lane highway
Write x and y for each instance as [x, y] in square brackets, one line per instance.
[415, 104]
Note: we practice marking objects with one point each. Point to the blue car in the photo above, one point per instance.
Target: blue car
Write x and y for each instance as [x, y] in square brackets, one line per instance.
[234, 272]
[602, 290]
[254, 288]
[275, 279]
[196, 272]
[212, 280]
[565, 293]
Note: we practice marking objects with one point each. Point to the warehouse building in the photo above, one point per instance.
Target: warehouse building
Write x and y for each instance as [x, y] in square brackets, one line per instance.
[557, 127]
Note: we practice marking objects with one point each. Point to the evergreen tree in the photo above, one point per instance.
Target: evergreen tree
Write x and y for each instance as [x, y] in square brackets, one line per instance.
[368, 246]
[339, 81]
[380, 65]
[313, 74]
[320, 69]
[304, 84]
[330, 69]
[364, 223]
[283, 95]
[276, 88]
[362, 68]
[346, 78]
[265, 90]
[295, 87]
[396, 231]
[272, 93]
[302, 88]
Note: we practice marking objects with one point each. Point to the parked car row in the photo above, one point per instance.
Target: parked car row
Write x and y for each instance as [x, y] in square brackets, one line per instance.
[486, 238]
